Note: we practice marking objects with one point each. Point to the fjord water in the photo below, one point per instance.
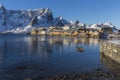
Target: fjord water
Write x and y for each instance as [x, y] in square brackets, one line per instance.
[32, 56]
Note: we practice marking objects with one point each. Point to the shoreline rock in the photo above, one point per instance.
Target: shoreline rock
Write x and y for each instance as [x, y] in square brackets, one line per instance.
[98, 74]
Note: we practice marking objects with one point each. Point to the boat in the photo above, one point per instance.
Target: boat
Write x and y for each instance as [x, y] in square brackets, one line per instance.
[81, 49]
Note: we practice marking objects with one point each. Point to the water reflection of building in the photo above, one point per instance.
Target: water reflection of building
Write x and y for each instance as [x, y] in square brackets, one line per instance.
[86, 40]
[57, 44]
[60, 43]
[110, 64]
[24, 46]
[41, 46]
[66, 41]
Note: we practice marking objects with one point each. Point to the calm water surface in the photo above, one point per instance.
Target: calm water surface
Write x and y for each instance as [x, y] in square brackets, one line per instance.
[31, 56]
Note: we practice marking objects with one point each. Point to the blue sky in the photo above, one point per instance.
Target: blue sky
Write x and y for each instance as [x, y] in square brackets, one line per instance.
[86, 11]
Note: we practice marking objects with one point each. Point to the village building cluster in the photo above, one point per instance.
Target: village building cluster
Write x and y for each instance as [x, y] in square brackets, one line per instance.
[81, 31]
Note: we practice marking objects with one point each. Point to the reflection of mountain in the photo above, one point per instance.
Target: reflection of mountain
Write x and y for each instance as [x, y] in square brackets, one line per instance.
[110, 64]
[41, 47]
[24, 46]
[52, 54]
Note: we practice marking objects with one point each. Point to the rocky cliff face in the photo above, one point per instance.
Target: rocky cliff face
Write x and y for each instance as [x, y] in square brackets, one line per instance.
[11, 19]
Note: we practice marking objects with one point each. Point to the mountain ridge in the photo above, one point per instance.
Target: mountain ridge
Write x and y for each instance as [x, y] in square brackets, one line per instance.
[20, 20]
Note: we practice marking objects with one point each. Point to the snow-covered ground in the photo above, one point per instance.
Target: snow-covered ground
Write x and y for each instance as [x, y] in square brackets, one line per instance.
[115, 41]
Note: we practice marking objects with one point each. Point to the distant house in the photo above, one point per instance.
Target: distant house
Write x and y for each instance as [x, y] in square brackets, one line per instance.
[50, 33]
[66, 27]
[58, 28]
[34, 32]
[56, 32]
[118, 31]
[81, 30]
[107, 30]
[95, 33]
[90, 32]
[75, 33]
[68, 33]
[42, 32]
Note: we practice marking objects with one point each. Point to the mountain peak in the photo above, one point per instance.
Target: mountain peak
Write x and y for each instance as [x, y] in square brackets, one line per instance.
[60, 17]
[59, 21]
[2, 9]
[108, 24]
[1, 5]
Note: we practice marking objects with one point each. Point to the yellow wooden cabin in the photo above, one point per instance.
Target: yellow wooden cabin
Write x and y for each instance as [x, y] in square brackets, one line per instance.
[75, 33]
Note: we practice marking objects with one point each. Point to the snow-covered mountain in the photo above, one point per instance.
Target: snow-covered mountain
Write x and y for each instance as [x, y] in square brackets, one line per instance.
[21, 18]
[102, 25]
[76, 24]
[59, 21]
[99, 26]
[19, 21]
[12, 19]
